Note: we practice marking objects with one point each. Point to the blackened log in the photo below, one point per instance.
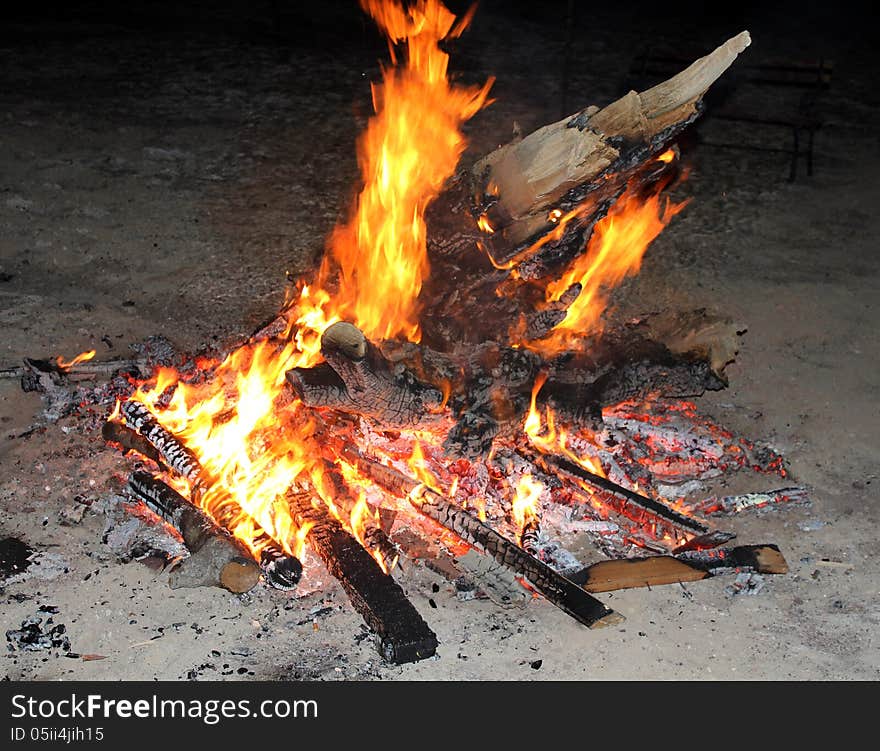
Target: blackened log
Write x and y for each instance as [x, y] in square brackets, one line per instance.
[527, 178]
[333, 489]
[606, 576]
[80, 371]
[174, 453]
[403, 634]
[556, 464]
[216, 557]
[282, 571]
[358, 378]
[576, 167]
[556, 588]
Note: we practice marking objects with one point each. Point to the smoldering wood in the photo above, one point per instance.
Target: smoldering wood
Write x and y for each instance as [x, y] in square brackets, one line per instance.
[489, 385]
[556, 464]
[82, 370]
[216, 557]
[555, 587]
[403, 635]
[629, 573]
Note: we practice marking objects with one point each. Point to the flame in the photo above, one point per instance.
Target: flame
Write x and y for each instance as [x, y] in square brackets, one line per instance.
[615, 251]
[81, 357]
[524, 508]
[549, 440]
[419, 465]
[484, 224]
[410, 148]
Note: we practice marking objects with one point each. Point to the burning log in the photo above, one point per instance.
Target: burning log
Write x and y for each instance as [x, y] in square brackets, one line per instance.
[532, 205]
[216, 557]
[336, 493]
[555, 587]
[403, 634]
[173, 452]
[129, 440]
[628, 573]
[147, 436]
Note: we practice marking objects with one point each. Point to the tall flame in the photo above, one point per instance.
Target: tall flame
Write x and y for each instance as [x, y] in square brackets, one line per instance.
[410, 148]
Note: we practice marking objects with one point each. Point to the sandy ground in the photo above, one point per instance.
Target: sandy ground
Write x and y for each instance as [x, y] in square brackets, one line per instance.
[163, 181]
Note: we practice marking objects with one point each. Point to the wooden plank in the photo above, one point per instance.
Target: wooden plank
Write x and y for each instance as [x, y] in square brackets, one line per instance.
[630, 573]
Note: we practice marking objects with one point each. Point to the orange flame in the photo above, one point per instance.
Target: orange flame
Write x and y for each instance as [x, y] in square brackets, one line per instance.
[615, 251]
[410, 148]
[551, 440]
[68, 364]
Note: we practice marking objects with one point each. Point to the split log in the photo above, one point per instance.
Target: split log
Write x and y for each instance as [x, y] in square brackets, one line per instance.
[403, 634]
[576, 167]
[606, 576]
[556, 588]
[531, 177]
[216, 557]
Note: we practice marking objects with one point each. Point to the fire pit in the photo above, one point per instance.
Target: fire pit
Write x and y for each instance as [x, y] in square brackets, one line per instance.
[451, 381]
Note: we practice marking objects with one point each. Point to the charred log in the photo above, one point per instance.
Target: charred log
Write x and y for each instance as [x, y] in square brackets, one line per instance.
[282, 571]
[556, 464]
[358, 378]
[575, 167]
[334, 491]
[174, 453]
[129, 440]
[403, 634]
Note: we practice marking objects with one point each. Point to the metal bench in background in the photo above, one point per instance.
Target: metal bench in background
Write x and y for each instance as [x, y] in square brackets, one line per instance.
[741, 97]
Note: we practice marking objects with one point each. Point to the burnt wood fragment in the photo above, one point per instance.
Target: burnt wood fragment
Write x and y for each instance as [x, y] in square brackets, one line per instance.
[606, 576]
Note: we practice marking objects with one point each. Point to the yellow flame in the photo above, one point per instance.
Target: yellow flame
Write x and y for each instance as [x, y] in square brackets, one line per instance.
[615, 250]
[524, 507]
[68, 364]
[410, 148]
